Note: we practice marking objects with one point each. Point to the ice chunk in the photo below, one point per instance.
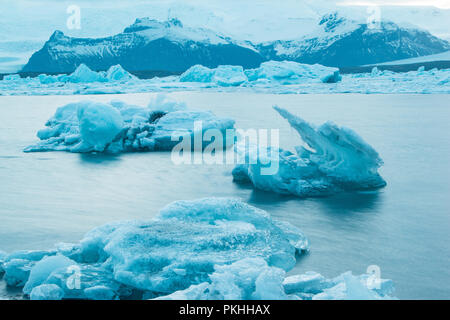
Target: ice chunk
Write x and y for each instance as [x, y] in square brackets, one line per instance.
[44, 268]
[289, 72]
[246, 279]
[99, 124]
[117, 127]
[84, 74]
[224, 75]
[161, 103]
[310, 282]
[16, 271]
[229, 76]
[47, 292]
[117, 73]
[11, 77]
[197, 73]
[337, 159]
[350, 287]
[253, 278]
[213, 248]
[117, 258]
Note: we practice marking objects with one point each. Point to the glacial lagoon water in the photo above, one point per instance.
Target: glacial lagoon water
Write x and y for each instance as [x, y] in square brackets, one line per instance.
[404, 229]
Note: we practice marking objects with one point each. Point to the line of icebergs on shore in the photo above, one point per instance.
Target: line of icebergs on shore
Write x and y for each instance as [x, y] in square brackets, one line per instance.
[341, 159]
[271, 77]
[213, 248]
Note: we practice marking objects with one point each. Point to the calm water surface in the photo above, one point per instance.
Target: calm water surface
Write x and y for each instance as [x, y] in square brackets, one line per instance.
[404, 228]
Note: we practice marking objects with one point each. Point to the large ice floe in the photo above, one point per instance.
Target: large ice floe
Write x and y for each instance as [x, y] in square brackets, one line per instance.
[88, 126]
[212, 248]
[337, 159]
[284, 77]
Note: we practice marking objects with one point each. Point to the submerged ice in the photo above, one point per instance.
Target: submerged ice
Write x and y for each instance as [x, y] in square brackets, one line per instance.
[117, 127]
[213, 248]
[336, 159]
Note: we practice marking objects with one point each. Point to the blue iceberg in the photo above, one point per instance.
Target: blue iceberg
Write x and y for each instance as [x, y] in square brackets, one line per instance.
[290, 72]
[212, 248]
[337, 159]
[117, 127]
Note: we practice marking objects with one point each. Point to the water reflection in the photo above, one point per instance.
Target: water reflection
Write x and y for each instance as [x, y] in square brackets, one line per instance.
[99, 158]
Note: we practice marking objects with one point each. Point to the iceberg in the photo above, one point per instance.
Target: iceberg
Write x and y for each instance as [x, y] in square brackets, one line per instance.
[224, 75]
[12, 77]
[337, 159]
[117, 127]
[254, 279]
[197, 73]
[290, 72]
[188, 243]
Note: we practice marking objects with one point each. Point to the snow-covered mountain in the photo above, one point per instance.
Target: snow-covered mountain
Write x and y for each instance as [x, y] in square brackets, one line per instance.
[340, 42]
[151, 45]
[146, 45]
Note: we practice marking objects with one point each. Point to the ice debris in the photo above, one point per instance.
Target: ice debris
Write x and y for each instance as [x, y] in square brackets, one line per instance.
[188, 243]
[117, 127]
[290, 72]
[254, 279]
[226, 76]
[337, 159]
[83, 74]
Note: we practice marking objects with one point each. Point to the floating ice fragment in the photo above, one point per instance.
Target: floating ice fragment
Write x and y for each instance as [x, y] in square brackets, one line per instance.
[337, 160]
[47, 292]
[183, 246]
[290, 72]
[117, 127]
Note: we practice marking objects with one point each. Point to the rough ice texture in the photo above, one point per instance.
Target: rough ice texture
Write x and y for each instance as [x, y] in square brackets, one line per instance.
[84, 75]
[337, 159]
[224, 76]
[47, 292]
[213, 248]
[280, 72]
[271, 77]
[185, 245]
[289, 72]
[117, 127]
